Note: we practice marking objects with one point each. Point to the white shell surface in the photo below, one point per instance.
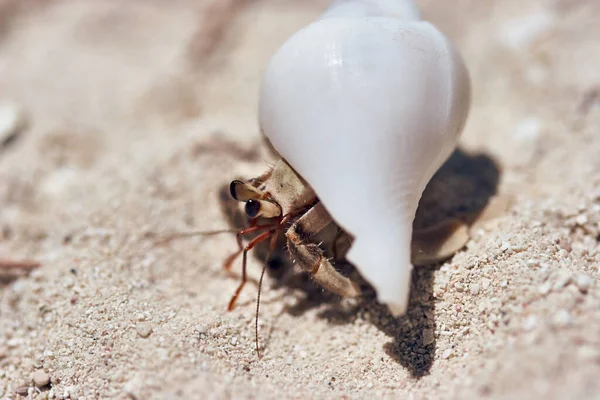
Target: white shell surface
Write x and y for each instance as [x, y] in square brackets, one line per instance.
[366, 110]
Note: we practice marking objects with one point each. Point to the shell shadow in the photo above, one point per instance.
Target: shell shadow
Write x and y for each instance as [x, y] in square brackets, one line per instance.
[461, 188]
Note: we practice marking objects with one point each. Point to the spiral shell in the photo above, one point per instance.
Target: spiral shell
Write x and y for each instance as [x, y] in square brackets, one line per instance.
[366, 103]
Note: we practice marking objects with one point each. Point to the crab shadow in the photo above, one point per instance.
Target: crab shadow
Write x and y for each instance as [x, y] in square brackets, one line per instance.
[461, 188]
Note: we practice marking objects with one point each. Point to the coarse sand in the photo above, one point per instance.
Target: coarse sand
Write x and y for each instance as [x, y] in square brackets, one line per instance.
[125, 120]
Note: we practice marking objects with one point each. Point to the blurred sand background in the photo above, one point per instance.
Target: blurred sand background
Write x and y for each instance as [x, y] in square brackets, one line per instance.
[140, 111]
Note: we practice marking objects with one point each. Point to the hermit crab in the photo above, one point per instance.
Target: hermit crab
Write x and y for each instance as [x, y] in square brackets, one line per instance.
[363, 106]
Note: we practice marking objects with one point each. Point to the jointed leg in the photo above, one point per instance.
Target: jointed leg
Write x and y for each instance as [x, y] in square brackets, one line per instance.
[309, 256]
[229, 261]
[253, 242]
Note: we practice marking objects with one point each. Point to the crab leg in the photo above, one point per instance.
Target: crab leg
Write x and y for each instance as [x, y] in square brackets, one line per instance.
[309, 256]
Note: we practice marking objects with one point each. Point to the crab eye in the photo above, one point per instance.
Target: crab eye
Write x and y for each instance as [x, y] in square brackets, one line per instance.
[262, 208]
[232, 189]
[252, 208]
[242, 191]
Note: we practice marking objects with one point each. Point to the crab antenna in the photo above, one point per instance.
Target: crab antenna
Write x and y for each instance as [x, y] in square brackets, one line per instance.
[262, 274]
[260, 281]
[182, 235]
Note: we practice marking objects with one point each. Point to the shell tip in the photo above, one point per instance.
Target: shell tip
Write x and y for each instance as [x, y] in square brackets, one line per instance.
[397, 310]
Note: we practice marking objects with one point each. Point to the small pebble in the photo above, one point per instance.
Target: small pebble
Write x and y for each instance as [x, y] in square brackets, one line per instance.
[22, 390]
[144, 329]
[563, 253]
[561, 319]
[565, 245]
[562, 280]
[530, 323]
[581, 220]
[485, 283]
[200, 329]
[474, 288]
[71, 392]
[517, 248]
[583, 282]
[544, 289]
[12, 120]
[41, 378]
[234, 340]
[428, 337]
[447, 354]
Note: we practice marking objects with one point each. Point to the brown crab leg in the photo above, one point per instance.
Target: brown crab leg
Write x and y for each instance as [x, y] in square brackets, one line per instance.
[253, 242]
[229, 261]
[309, 256]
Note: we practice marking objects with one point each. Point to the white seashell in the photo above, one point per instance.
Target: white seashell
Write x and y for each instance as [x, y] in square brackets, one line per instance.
[366, 103]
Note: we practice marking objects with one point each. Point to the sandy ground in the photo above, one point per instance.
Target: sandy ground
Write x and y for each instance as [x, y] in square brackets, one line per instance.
[140, 111]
